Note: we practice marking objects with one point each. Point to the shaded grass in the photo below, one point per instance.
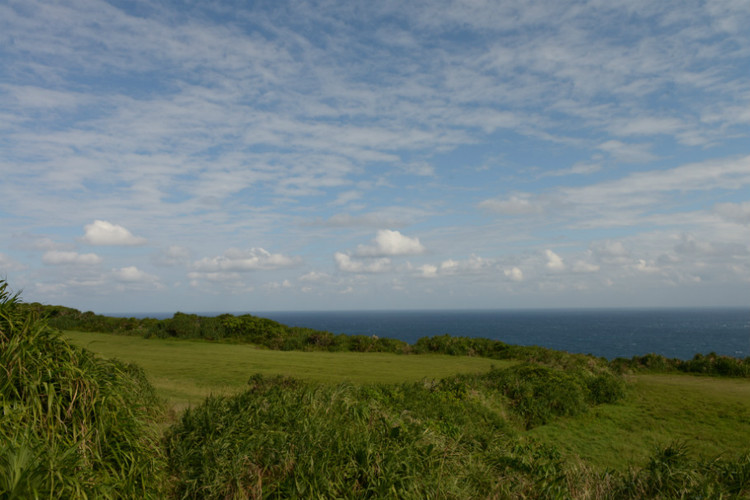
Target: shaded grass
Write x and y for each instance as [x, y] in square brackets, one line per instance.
[185, 371]
[709, 415]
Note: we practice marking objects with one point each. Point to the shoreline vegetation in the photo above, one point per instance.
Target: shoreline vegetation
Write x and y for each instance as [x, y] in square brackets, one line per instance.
[76, 425]
[273, 335]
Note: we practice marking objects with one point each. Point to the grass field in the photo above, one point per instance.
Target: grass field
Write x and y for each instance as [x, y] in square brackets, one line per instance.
[711, 415]
[184, 372]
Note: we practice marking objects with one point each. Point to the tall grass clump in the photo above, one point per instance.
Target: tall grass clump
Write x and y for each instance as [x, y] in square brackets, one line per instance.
[451, 438]
[283, 438]
[672, 473]
[71, 425]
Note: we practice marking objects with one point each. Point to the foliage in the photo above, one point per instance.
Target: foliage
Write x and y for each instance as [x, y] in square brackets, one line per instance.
[76, 426]
[71, 425]
[710, 364]
[284, 438]
[672, 473]
[271, 334]
[539, 393]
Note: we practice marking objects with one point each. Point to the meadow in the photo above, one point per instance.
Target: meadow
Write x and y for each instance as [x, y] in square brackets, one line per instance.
[94, 415]
[710, 415]
[186, 371]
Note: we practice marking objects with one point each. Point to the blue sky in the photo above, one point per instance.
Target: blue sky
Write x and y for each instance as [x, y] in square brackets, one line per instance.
[254, 156]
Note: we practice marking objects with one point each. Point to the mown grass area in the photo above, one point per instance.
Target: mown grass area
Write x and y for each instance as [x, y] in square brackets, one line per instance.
[709, 415]
[185, 372]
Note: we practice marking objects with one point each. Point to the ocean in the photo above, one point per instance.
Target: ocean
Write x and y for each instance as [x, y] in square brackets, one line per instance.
[674, 333]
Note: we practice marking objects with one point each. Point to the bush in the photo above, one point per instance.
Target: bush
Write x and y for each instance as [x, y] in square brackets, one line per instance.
[538, 393]
[71, 425]
[605, 388]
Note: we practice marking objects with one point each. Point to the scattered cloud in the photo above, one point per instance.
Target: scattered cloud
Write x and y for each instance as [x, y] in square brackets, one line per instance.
[9, 264]
[615, 135]
[236, 260]
[734, 212]
[352, 265]
[391, 243]
[61, 258]
[628, 152]
[174, 255]
[581, 266]
[554, 261]
[520, 204]
[514, 274]
[132, 274]
[101, 232]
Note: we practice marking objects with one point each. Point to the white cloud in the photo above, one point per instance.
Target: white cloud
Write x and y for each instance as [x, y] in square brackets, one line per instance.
[647, 126]
[254, 259]
[345, 263]
[313, 276]
[428, 271]
[610, 252]
[649, 197]
[9, 264]
[554, 261]
[347, 197]
[131, 274]
[580, 168]
[514, 274]
[102, 232]
[520, 204]
[61, 258]
[641, 265]
[581, 266]
[275, 285]
[390, 243]
[734, 212]
[251, 131]
[473, 264]
[420, 169]
[175, 255]
[628, 153]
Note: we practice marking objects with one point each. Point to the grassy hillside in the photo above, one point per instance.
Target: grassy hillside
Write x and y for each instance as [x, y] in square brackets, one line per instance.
[711, 415]
[188, 371]
[537, 424]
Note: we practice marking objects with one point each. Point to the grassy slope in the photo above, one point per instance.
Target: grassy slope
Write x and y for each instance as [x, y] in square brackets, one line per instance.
[712, 415]
[187, 371]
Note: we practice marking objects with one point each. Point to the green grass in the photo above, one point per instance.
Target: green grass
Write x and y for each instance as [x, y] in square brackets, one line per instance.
[72, 425]
[710, 415]
[185, 372]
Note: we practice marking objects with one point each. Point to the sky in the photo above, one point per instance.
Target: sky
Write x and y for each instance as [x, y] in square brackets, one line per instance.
[193, 156]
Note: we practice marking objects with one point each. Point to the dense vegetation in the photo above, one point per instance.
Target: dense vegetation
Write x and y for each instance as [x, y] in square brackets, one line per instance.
[458, 438]
[76, 426]
[273, 335]
[71, 425]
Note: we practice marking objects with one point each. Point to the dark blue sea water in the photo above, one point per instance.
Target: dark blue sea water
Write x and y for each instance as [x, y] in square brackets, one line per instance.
[609, 333]
[675, 333]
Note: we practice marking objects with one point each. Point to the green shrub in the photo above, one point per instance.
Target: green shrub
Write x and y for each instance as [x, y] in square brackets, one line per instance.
[538, 393]
[605, 388]
[71, 425]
